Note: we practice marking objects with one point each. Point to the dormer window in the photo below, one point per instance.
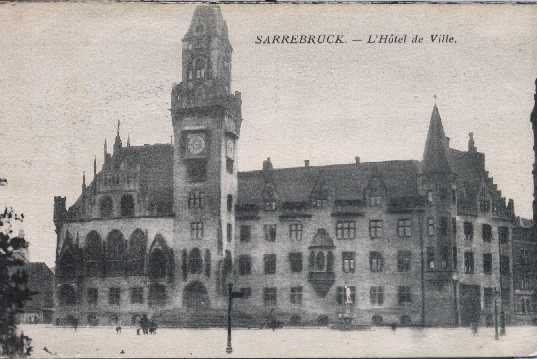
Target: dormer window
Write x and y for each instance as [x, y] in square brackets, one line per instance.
[270, 206]
[375, 193]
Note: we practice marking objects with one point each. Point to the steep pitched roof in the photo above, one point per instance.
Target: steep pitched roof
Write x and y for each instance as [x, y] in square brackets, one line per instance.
[344, 181]
[434, 155]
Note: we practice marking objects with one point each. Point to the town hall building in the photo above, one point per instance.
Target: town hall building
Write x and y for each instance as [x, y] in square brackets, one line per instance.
[162, 229]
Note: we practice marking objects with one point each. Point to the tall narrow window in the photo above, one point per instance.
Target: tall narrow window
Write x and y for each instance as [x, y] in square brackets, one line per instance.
[270, 297]
[245, 233]
[403, 261]
[468, 231]
[404, 229]
[295, 231]
[229, 232]
[405, 295]
[296, 295]
[375, 228]
[443, 226]
[196, 230]
[269, 261]
[195, 199]
[269, 231]
[376, 295]
[504, 265]
[430, 259]
[345, 229]
[229, 203]
[348, 261]
[430, 226]
[503, 234]
[114, 295]
[245, 264]
[376, 262]
[468, 262]
[487, 232]
[295, 261]
[487, 263]
[343, 298]
[127, 206]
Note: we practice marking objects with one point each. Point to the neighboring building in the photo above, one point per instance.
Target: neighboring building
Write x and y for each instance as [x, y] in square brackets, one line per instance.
[524, 272]
[525, 250]
[163, 228]
[40, 308]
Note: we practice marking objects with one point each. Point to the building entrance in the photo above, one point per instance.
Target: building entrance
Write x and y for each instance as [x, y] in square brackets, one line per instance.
[195, 296]
[470, 304]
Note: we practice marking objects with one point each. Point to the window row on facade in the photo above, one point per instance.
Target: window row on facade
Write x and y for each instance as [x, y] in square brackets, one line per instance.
[376, 295]
[321, 262]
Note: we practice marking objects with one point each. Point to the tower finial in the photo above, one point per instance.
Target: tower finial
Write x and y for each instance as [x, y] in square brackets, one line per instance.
[434, 98]
[118, 124]
[128, 140]
[94, 167]
[83, 181]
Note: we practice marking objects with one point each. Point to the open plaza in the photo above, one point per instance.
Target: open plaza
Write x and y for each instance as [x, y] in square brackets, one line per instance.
[64, 342]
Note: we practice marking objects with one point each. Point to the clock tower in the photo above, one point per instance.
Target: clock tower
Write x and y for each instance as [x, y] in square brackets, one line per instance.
[206, 123]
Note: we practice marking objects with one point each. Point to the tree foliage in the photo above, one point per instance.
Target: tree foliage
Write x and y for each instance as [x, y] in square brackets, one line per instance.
[14, 291]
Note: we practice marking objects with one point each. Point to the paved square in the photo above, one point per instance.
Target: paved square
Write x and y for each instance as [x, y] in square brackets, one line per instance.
[311, 342]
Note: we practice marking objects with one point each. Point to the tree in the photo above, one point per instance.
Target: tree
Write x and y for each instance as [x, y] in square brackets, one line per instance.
[14, 291]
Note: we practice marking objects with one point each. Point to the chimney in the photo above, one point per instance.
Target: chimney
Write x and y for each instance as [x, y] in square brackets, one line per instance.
[357, 160]
[267, 164]
[306, 163]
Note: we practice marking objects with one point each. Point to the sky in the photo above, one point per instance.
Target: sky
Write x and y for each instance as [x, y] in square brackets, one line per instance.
[70, 71]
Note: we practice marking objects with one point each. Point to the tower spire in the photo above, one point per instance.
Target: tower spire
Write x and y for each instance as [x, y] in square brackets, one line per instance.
[117, 142]
[471, 143]
[128, 140]
[94, 167]
[105, 150]
[83, 181]
[435, 153]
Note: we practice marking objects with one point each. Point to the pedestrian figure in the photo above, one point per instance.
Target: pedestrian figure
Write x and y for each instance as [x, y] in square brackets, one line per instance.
[138, 331]
[474, 327]
[75, 323]
[394, 326]
[118, 329]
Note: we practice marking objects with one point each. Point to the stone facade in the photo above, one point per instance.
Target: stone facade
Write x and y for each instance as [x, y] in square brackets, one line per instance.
[162, 229]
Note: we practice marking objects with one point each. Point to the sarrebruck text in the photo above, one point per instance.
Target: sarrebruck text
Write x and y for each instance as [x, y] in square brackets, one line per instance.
[299, 39]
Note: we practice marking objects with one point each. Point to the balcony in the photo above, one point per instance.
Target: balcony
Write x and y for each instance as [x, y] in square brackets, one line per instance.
[321, 281]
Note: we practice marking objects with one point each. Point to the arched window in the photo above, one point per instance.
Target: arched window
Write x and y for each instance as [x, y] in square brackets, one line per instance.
[311, 262]
[93, 254]
[127, 206]
[329, 262]
[136, 253]
[67, 265]
[67, 295]
[195, 262]
[320, 262]
[184, 264]
[157, 263]
[207, 263]
[199, 68]
[106, 206]
[115, 251]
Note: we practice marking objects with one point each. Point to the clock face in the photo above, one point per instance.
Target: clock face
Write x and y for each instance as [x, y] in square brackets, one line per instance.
[230, 147]
[196, 144]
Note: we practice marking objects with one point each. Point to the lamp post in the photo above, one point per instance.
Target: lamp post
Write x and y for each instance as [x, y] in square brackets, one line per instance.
[231, 296]
[455, 279]
[496, 293]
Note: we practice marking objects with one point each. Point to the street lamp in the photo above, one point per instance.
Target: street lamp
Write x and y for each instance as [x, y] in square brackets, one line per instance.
[496, 294]
[231, 295]
[455, 278]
